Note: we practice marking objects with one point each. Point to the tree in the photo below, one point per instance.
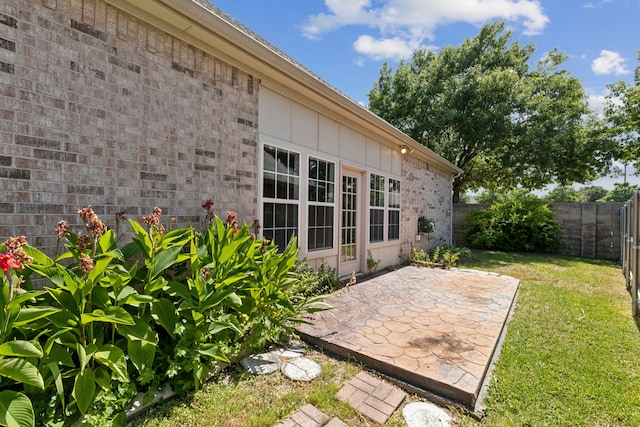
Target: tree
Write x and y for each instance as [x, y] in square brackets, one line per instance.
[593, 193]
[481, 107]
[622, 111]
[565, 194]
[622, 192]
[491, 197]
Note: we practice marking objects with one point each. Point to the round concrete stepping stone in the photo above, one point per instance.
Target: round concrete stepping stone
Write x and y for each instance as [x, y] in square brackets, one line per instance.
[260, 364]
[290, 352]
[301, 369]
[423, 414]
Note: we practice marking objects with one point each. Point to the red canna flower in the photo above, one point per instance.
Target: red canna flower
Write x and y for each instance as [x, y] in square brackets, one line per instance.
[7, 261]
[207, 205]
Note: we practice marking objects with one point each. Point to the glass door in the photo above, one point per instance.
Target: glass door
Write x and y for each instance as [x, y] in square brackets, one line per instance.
[349, 226]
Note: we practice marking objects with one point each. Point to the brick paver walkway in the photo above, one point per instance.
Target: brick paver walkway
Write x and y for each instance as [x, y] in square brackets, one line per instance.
[433, 329]
[372, 397]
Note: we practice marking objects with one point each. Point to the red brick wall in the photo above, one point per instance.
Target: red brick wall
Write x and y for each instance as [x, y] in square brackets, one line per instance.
[97, 107]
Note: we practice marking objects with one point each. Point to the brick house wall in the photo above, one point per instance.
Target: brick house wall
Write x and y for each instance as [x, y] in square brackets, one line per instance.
[98, 107]
[426, 192]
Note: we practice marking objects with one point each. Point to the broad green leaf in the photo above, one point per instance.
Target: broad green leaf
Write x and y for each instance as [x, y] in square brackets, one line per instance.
[214, 298]
[107, 241]
[130, 250]
[110, 314]
[155, 285]
[143, 241]
[213, 352]
[140, 331]
[178, 289]
[103, 378]
[84, 389]
[39, 257]
[177, 237]
[31, 314]
[99, 266]
[57, 380]
[26, 296]
[21, 349]
[164, 260]
[113, 358]
[16, 410]
[21, 371]
[164, 313]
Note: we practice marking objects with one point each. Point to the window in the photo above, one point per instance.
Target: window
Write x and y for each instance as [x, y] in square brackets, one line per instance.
[281, 193]
[384, 209]
[321, 197]
[376, 208]
[394, 210]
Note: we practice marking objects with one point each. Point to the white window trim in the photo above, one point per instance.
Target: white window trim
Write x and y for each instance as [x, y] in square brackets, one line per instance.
[385, 241]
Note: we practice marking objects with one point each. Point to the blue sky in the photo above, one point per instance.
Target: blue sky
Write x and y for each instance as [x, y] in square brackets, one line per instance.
[345, 42]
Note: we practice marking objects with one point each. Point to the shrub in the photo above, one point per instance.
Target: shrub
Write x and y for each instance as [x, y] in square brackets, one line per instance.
[526, 224]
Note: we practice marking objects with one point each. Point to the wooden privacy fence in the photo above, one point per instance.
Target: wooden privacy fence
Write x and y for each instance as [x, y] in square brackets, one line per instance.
[629, 229]
[590, 230]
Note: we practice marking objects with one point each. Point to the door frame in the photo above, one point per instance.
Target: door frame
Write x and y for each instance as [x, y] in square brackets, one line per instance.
[346, 268]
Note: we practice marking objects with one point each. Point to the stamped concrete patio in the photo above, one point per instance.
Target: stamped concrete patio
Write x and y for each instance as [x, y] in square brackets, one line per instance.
[433, 330]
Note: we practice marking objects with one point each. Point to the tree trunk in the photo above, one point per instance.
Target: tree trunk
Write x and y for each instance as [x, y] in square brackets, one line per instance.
[457, 185]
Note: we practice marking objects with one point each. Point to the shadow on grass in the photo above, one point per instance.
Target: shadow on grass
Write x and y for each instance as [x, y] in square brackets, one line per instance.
[495, 259]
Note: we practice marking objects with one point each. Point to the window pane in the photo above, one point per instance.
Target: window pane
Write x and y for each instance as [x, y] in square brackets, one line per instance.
[376, 225]
[269, 185]
[282, 187]
[280, 215]
[312, 216]
[294, 189]
[292, 216]
[330, 193]
[328, 217]
[268, 215]
[294, 166]
[313, 168]
[269, 162]
[394, 225]
[283, 161]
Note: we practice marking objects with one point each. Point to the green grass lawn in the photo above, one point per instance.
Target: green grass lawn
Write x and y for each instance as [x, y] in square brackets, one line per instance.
[571, 358]
[572, 352]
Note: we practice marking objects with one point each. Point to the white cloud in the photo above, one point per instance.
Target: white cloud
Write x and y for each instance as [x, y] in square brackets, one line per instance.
[410, 22]
[380, 49]
[609, 62]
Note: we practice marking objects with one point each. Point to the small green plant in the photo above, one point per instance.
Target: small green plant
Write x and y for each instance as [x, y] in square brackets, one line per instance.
[446, 256]
[372, 263]
[314, 281]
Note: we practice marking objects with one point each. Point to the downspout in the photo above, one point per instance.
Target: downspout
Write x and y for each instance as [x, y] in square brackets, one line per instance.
[453, 178]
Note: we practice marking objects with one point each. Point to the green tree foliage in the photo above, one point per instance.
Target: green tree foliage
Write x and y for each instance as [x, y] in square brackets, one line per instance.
[594, 193]
[622, 112]
[622, 191]
[565, 194]
[480, 106]
[524, 224]
[490, 197]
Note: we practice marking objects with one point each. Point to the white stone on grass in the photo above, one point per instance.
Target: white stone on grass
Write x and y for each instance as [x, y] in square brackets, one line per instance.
[423, 414]
[290, 352]
[301, 369]
[260, 364]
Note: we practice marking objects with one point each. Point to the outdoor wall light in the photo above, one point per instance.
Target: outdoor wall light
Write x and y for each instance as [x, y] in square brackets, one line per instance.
[404, 150]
